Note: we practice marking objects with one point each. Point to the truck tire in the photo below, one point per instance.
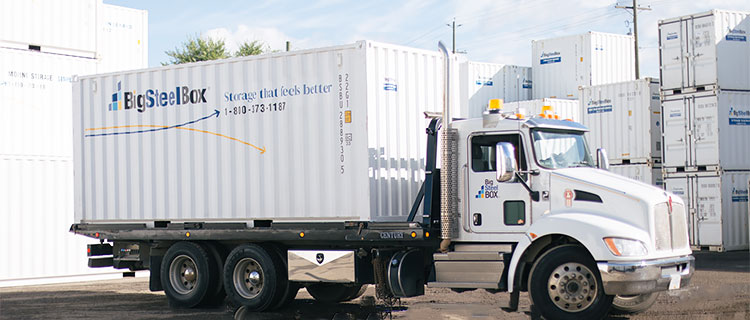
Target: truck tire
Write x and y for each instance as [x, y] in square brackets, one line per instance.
[564, 283]
[291, 289]
[188, 274]
[335, 292]
[218, 254]
[254, 278]
[634, 304]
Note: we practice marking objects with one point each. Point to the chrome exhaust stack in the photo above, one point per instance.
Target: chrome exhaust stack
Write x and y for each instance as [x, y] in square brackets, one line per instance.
[448, 160]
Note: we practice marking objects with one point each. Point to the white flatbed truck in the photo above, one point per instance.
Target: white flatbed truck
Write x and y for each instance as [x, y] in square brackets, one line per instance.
[518, 204]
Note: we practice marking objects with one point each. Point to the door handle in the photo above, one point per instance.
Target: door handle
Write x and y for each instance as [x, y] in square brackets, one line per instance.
[477, 219]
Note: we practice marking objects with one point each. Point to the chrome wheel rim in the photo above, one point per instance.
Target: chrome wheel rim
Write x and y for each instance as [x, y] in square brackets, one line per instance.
[248, 278]
[572, 287]
[183, 274]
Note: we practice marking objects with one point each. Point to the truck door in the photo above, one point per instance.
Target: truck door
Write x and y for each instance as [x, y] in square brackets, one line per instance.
[495, 207]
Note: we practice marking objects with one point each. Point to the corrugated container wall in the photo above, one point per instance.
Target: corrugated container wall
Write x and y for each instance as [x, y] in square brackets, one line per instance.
[707, 129]
[123, 39]
[625, 119]
[564, 108]
[324, 134]
[561, 65]
[36, 207]
[35, 89]
[705, 49]
[63, 27]
[643, 172]
[720, 203]
[480, 82]
[36, 143]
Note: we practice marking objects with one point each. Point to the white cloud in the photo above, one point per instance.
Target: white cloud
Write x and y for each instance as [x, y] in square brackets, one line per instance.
[274, 38]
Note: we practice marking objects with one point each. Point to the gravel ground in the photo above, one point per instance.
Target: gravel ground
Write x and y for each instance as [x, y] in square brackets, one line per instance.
[720, 289]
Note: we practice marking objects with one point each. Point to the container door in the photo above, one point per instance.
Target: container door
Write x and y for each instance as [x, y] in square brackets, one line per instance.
[708, 211]
[672, 45]
[703, 65]
[676, 133]
[495, 207]
[704, 114]
[655, 120]
[683, 187]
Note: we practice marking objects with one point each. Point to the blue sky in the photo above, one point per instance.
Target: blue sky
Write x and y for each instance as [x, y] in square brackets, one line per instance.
[492, 30]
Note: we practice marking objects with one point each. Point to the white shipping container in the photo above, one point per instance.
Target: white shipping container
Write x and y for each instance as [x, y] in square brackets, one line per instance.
[704, 49]
[479, 82]
[36, 211]
[625, 119]
[122, 43]
[64, 27]
[326, 134]
[707, 129]
[643, 172]
[35, 90]
[561, 65]
[563, 108]
[718, 207]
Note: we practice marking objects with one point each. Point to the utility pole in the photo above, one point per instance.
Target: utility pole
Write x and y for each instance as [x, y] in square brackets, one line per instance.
[635, 9]
[453, 25]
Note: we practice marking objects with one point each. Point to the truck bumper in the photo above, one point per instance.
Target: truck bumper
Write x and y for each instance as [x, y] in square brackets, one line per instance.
[638, 277]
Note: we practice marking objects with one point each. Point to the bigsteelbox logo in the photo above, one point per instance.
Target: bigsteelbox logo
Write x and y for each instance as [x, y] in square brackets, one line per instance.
[599, 106]
[550, 57]
[739, 117]
[181, 95]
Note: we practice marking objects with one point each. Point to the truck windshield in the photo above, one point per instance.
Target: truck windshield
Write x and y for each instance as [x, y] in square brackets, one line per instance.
[556, 149]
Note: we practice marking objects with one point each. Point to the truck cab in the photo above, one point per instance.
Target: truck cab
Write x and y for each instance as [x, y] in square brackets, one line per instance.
[533, 201]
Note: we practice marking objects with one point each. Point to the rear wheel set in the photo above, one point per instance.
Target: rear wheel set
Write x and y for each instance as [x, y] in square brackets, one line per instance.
[190, 275]
[256, 278]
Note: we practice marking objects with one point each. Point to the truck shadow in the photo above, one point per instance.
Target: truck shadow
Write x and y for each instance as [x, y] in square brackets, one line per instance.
[304, 309]
[733, 261]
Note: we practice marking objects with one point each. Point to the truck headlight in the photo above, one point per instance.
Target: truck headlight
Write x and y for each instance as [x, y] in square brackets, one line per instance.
[626, 247]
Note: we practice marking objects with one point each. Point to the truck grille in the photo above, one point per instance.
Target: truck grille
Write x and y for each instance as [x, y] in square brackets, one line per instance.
[671, 229]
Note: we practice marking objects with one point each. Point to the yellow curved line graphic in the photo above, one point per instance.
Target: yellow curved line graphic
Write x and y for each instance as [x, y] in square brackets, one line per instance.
[262, 150]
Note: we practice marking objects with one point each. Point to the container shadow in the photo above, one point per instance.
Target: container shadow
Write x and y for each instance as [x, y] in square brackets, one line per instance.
[732, 261]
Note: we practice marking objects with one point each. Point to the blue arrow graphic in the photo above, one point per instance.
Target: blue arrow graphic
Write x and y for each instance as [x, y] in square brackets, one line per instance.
[214, 114]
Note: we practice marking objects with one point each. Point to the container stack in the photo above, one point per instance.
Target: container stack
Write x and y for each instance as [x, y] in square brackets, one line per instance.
[43, 45]
[705, 94]
[625, 118]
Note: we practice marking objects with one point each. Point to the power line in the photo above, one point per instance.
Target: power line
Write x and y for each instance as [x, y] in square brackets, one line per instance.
[424, 34]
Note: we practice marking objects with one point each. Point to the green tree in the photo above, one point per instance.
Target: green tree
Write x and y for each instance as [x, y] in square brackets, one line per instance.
[197, 49]
[251, 48]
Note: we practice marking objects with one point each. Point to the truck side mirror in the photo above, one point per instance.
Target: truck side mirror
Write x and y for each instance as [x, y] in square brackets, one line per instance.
[505, 161]
[602, 162]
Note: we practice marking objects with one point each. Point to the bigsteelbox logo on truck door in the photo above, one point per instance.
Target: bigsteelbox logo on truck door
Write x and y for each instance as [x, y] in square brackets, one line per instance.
[181, 95]
[488, 190]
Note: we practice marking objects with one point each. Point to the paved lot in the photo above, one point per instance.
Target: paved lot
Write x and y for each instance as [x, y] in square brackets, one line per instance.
[720, 290]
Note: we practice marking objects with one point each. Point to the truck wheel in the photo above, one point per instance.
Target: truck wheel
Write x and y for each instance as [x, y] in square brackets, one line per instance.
[634, 304]
[188, 275]
[564, 284]
[252, 278]
[291, 289]
[218, 255]
[334, 292]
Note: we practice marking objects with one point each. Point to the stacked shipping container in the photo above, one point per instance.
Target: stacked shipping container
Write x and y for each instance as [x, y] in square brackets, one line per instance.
[705, 96]
[561, 65]
[625, 118]
[43, 44]
[480, 82]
